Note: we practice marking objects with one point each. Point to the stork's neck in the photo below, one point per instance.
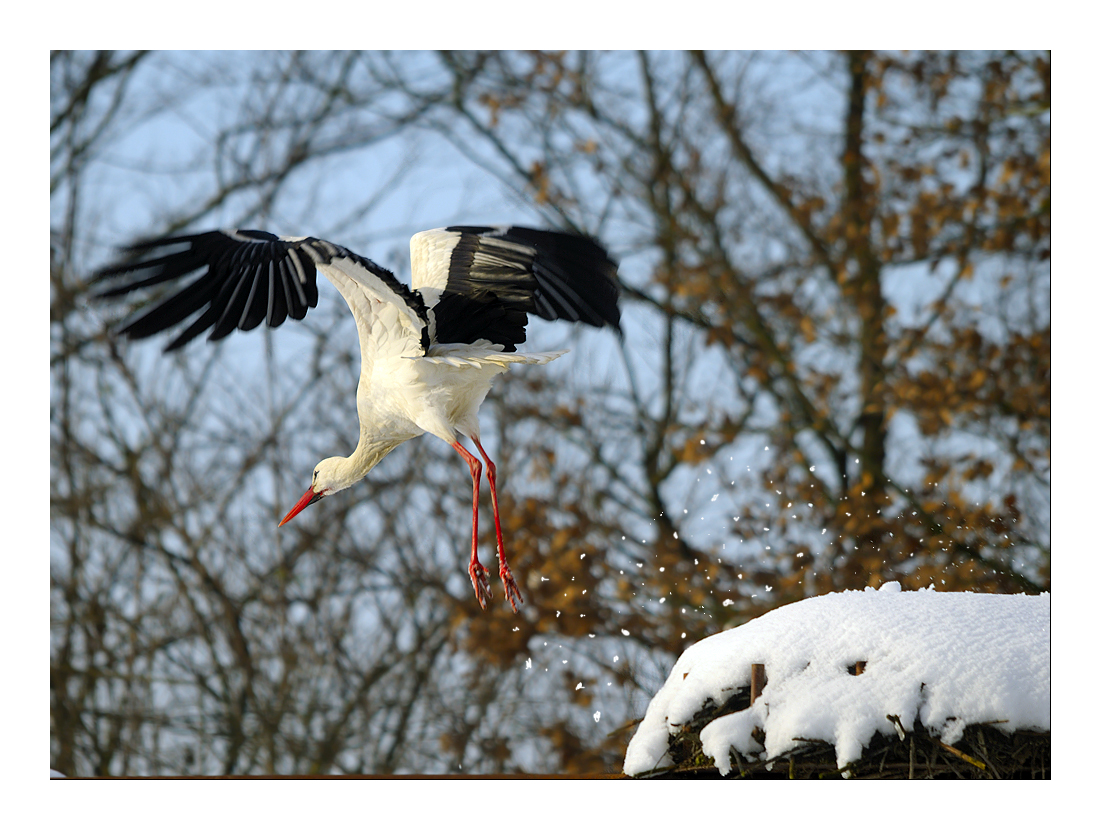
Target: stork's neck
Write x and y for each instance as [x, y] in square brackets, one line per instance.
[369, 452]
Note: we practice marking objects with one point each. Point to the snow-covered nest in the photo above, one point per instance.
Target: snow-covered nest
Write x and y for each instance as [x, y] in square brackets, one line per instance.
[933, 664]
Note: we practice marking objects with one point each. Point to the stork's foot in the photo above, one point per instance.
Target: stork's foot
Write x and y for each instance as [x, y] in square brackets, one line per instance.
[512, 593]
[479, 578]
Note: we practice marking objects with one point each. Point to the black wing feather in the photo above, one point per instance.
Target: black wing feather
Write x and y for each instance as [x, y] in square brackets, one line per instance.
[577, 280]
[497, 276]
[244, 278]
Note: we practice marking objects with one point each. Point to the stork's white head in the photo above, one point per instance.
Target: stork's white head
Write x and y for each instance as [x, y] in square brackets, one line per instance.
[329, 476]
[335, 474]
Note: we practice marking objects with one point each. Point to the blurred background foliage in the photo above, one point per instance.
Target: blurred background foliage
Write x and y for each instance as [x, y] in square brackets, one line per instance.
[836, 372]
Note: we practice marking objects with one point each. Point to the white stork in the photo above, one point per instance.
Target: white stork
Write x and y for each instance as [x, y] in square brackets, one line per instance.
[429, 353]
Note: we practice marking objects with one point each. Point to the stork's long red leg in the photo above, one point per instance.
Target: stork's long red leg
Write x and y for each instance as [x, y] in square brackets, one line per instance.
[512, 593]
[479, 576]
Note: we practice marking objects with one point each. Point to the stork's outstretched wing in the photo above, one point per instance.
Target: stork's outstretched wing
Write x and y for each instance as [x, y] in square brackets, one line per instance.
[481, 282]
[247, 277]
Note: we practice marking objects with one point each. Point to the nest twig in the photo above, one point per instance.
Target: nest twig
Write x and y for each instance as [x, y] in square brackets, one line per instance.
[984, 751]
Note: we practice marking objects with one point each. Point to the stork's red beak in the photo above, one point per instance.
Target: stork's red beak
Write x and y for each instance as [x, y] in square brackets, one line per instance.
[303, 503]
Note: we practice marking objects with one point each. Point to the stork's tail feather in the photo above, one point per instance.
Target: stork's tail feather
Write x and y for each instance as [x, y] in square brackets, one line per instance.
[488, 357]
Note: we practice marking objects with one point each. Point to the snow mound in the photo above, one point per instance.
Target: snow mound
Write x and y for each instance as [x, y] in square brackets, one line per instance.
[948, 660]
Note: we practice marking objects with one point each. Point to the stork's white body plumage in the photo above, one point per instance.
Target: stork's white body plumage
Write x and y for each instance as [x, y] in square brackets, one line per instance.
[429, 353]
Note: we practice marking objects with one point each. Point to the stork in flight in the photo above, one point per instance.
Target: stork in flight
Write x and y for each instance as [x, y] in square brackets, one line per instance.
[429, 353]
